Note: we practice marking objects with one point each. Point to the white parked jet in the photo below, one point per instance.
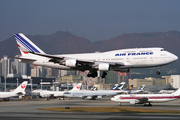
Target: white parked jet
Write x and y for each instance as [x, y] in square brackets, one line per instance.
[47, 93]
[117, 60]
[92, 95]
[146, 98]
[20, 90]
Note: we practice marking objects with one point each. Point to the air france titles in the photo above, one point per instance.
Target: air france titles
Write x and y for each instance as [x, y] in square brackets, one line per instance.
[134, 54]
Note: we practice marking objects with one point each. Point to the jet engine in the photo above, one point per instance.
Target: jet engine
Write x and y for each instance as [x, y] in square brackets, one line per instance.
[104, 67]
[132, 102]
[71, 63]
[99, 96]
[91, 97]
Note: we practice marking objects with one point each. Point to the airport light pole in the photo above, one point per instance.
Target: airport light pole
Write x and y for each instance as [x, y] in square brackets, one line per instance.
[41, 84]
[31, 84]
[87, 83]
[67, 85]
[17, 81]
[5, 84]
[53, 85]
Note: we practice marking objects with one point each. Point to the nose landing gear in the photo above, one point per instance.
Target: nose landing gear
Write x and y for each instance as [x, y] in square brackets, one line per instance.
[158, 72]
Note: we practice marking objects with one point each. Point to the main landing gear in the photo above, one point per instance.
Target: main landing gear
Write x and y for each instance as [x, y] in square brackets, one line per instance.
[158, 72]
[147, 104]
[92, 74]
[104, 74]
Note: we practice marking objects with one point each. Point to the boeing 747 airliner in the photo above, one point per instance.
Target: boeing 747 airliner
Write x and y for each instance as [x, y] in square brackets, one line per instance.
[117, 60]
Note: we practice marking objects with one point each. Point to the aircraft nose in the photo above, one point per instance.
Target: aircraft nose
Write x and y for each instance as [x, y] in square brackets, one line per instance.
[113, 98]
[175, 57]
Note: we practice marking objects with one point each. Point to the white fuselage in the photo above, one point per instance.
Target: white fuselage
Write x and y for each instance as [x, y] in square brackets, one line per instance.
[153, 98]
[7, 94]
[129, 58]
[47, 93]
[86, 93]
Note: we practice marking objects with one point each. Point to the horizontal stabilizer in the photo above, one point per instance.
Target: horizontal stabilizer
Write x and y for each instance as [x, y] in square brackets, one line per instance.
[27, 59]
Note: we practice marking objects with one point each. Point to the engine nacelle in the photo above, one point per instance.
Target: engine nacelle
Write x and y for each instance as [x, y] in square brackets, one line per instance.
[99, 96]
[89, 97]
[132, 102]
[71, 63]
[104, 67]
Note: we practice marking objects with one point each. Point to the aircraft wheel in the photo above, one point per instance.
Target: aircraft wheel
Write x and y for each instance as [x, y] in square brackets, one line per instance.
[149, 104]
[158, 73]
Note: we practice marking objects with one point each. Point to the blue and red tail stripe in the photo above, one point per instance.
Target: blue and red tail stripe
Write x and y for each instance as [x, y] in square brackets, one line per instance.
[25, 44]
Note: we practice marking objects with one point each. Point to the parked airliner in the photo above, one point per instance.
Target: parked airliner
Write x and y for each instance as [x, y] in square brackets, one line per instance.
[20, 90]
[92, 95]
[117, 60]
[146, 98]
[47, 93]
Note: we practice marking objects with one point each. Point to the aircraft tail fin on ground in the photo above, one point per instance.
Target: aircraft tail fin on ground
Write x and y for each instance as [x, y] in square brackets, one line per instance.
[21, 88]
[77, 87]
[141, 88]
[177, 92]
[130, 87]
[119, 87]
[25, 45]
[94, 88]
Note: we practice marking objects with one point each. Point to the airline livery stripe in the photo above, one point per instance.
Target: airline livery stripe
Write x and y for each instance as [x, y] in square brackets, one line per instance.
[19, 41]
[160, 97]
[26, 44]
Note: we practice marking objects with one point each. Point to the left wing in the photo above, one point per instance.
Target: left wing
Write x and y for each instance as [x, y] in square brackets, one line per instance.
[143, 100]
[62, 60]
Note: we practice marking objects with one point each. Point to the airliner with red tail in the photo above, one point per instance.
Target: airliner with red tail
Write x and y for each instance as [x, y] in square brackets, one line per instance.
[20, 90]
[146, 98]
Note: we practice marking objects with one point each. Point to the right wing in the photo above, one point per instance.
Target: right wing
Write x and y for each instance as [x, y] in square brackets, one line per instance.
[27, 59]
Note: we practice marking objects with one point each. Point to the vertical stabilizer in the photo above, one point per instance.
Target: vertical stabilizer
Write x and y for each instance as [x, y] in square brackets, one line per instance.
[129, 88]
[77, 87]
[119, 87]
[141, 88]
[21, 88]
[177, 92]
[25, 45]
[94, 88]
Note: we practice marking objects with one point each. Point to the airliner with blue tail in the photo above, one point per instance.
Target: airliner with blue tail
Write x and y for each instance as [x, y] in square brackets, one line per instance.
[117, 60]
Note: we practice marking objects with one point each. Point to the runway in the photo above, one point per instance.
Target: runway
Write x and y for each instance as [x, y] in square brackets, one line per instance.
[22, 110]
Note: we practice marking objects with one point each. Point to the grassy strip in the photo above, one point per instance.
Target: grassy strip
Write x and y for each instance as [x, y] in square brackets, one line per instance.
[109, 109]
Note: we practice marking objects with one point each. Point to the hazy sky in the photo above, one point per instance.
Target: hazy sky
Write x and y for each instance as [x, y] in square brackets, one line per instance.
[92, 19]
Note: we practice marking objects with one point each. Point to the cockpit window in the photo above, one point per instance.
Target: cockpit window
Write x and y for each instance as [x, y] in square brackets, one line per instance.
[67, 93]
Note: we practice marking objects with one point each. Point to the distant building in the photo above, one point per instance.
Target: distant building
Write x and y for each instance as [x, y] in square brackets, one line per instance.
[147, 81]
[38, 71]
[71, 78]
[5, 68]
[175, 81]
[139, 82]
